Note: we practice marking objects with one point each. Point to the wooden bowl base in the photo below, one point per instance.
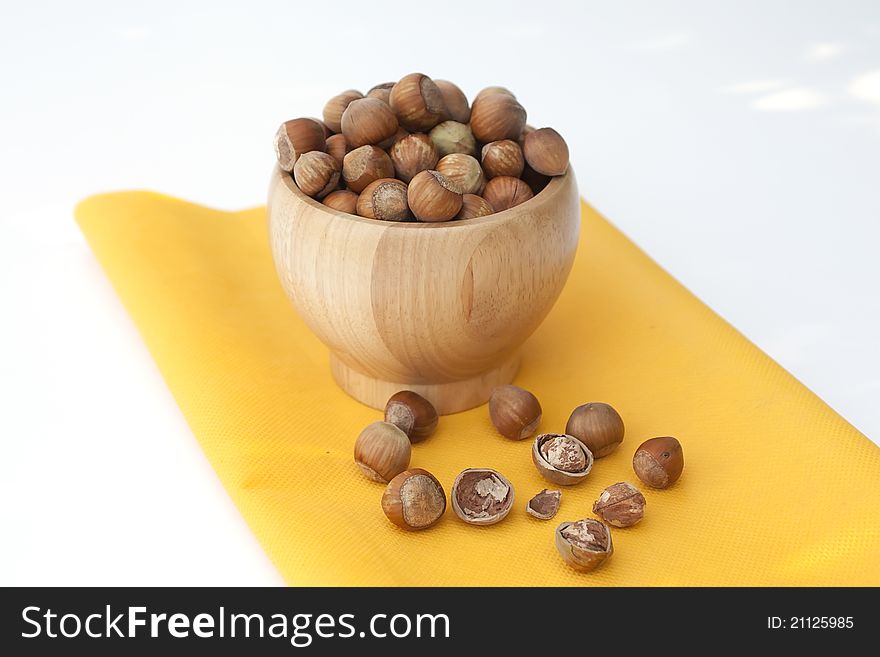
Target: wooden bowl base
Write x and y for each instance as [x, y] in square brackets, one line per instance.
[447, 398]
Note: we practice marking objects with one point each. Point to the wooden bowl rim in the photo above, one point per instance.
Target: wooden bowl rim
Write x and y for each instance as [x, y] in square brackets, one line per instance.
[546, 195]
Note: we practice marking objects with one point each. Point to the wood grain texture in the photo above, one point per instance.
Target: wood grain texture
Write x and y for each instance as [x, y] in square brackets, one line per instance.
[440, 309]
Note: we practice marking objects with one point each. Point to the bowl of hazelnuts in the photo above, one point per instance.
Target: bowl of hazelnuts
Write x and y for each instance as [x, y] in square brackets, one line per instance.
[421, 237]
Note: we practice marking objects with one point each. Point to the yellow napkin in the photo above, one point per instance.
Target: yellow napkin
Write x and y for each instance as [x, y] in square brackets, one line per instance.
[777, 489]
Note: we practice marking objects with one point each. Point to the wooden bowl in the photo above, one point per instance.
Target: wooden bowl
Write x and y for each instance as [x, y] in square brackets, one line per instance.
[440, 309]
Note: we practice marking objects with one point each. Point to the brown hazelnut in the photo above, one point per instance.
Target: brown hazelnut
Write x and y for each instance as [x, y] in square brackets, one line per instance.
[337, 148]
[368, 121]
[545, 504]
[659, 461]
[488, 91]
[414, 414]
[413, 153]
[584, 545]
[414, 500]
[598, 426]
[536, 181]
[384, 199]
[455, 100]
[316, 173]
[502, 158]
[336, 106]
[497, 116]
[481, 496]
[432, 197]
[381, 91]
[453, 137]
[342, 200]
[463, 171]
[296, 137]
[620, 505]
[473, 206]
[515, 412]
[364, 165]
[525, 131]
[382, 451]
[418, 103]
[546, 152]
[506, 192]
[561, 459]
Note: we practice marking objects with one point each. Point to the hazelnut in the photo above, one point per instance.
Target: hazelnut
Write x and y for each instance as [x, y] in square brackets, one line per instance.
[381, 91]
[502, 158]
[412, 413]
[481, 496]
[659, 461]
[545, 504]
[382, 451]
[316, 173]
[417, 102]
[506, 192]
[364, 165]
[584, 545]
[336, 106]
[337, 148]
[527, 129]
[326, 129]
[414, 500]
[515, 412]
[473, 206]
[620, 505]
[342, 200]
[536, 181]
[296, 137]
[368, 121]
[452, 137]
[497, 116]
[488, 91]
[546, 152]
[455, 100]
[598, 426]
[561, 459]
[463, 171]
[384, 199]
[433, 197]
[413, 153]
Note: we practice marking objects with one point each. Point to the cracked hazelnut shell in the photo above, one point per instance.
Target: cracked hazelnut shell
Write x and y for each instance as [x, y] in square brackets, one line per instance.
[561, 459]
[481, 496]
[545, 504]
[584, 544]
[620, 505]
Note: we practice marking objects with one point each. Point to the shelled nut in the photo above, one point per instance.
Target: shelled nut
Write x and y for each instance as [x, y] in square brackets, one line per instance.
[620, 505]
[585, 544]
[502, 158]
[481, 496]
[364, 165]
[546, 152]
[598, 426]
[497, 116]
[368, 121]
[417, 102]
[432, 197]
[545, 504]
[414, 500]
[514, 411]
[342, 200]
[505, 192]
[412, 413]
[384, 199]
[659, 461]
[561, 459]
[382, 451]
[411, 154]
[463, 171]
[296, 137]
[316, 173]
[453, 137]
[336, 106]
[473, 206]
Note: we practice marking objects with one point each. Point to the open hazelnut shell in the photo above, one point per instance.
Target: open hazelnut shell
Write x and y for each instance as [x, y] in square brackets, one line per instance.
[555, 474]
[481, 496]
[584, 555]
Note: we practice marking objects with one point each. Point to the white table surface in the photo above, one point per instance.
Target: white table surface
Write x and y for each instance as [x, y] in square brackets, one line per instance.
[738, 143]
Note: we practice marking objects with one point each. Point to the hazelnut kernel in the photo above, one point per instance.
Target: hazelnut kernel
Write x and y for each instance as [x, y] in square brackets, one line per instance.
[659, 461]
[598, 426]
[515, 412]
[412, 413]
[382, 451]
[620, 505]
[561, 459]
[585, 544]
[414, 500]
[481, 496]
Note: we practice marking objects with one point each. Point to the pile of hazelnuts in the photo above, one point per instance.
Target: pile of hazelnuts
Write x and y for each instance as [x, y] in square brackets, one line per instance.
[414, 499]
[417, 150]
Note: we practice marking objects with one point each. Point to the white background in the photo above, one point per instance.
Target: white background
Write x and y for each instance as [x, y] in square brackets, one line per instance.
[738, 143]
